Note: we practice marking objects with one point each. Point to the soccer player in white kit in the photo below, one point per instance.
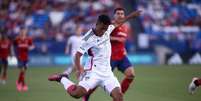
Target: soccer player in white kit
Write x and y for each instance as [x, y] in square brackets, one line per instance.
[97, 72]
[72, 47]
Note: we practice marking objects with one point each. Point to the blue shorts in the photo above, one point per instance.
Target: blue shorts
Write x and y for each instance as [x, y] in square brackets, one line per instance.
[121, 65]
[22, 64]
[4, 62]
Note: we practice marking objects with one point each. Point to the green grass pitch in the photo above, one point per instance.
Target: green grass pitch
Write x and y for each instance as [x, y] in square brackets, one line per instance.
[152, 83]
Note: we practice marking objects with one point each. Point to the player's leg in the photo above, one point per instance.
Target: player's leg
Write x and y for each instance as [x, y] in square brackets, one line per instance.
[116, 94]
[76, 91]
[112, 86]
[21, 85]
[0, 68]
[87, 96]
[20, 79]
[24, 71]
[72, 89]
[126, 67]
[195, 83]
[4, 67]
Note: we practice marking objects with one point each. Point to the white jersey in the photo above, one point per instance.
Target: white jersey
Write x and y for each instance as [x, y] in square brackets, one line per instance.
[74, 41]
[99, 51]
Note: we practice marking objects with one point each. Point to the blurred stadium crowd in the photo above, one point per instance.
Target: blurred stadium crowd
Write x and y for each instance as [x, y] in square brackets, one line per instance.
[51, 22]
[174, 24]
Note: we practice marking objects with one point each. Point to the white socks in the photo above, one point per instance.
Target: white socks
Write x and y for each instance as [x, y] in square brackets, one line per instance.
[66, 82]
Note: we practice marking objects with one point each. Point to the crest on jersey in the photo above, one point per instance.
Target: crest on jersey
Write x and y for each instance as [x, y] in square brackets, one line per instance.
[86, 78]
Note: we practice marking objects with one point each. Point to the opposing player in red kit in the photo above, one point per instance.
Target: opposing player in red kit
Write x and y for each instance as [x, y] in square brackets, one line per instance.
[5, 45]
[23, 44]
[119, 57]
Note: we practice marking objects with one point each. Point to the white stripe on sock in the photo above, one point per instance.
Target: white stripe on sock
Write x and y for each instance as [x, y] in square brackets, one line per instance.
[66, 82]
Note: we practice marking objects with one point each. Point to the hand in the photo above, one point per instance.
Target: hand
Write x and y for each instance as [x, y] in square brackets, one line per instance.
[132, 15]
[135, 14]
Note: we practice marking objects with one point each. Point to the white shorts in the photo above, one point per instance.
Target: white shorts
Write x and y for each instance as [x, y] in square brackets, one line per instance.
[90, 80]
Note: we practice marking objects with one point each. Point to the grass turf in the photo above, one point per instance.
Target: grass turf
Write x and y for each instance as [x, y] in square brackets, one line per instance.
[152, 83]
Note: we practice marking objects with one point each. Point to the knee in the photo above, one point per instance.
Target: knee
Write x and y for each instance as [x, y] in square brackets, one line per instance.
[118, 97]
[77, 92]
[130, 75]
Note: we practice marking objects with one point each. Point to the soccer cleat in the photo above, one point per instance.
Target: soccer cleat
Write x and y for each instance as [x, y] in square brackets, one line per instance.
[3, 82]
[24, 88]
[18, 86]
[192, 87]
[56, 77]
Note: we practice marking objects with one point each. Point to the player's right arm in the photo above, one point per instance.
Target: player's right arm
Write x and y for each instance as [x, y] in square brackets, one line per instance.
[31, 45]
[84, 46]
[78, 67]
[132, 15]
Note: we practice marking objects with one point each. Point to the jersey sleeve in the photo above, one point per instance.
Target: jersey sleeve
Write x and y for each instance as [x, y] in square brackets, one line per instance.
[86, 42]
[110, 29]
[84, 46]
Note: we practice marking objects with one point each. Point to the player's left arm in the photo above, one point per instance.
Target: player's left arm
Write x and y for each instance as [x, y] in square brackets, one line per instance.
[31, 45]
[132, 15]
[68, 46]
[119, 39]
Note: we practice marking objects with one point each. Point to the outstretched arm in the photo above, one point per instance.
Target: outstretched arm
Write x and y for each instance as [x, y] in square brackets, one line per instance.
[119, 39]
[78, 67]
[132, 15]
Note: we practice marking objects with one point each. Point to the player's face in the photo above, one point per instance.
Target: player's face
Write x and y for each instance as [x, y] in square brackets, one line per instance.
[79, 31]
[119, 14]
[101, 28]
[23, 32]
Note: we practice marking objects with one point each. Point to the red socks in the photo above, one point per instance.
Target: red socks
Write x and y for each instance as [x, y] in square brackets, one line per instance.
[125, 84]
[21, 77]
[198, 82]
